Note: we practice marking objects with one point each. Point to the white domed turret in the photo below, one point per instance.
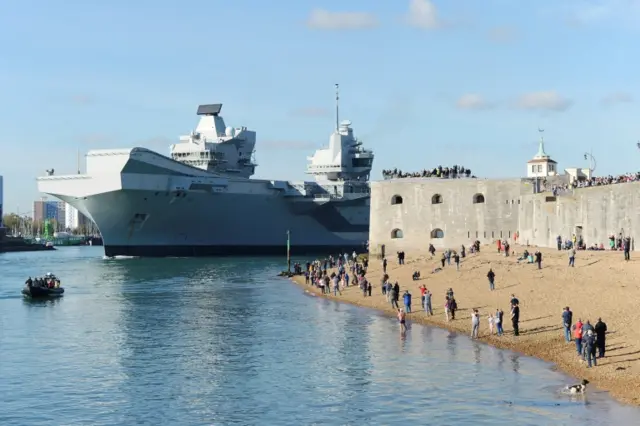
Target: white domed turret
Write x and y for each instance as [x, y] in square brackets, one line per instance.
[230, 132]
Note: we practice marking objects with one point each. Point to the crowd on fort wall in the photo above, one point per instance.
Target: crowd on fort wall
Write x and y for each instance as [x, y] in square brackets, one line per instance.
[413, 214]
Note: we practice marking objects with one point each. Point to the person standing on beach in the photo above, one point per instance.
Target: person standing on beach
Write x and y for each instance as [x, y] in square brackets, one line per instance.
[475, 324]
[499, 246]
[384, 265]
[402, 320]
[453, 307]
[538, 257]
[515, 319]
[577, 336]
[491, 276]
[572, 256]
[369, 288]
[601, 331]
[590, 348]
[336, 285]
[443, 259]
[559, 242]
[498, 320]
[627, 248]
[407, 301]
[567, 320]
[394, 295]
[456, 259]
[427, 303]
[491, 323]
[447, 305]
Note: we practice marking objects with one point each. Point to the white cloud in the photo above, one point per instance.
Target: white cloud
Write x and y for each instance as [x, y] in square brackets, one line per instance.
[322, 19]
[549, 101]
[617, 98]
[289, 145]
[472, 101]
[310, 112]
[423, 14]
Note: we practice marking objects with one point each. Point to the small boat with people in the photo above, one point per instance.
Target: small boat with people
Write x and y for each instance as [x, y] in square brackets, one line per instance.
[41, 287]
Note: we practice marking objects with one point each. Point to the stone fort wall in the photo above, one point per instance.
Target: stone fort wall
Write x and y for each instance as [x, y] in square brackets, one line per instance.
[595, 213]
[410, 214]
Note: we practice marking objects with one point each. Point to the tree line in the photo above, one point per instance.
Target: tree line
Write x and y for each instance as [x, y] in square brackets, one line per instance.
[26, 225]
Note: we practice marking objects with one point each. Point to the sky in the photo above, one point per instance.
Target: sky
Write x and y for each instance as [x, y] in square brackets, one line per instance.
[425, 83]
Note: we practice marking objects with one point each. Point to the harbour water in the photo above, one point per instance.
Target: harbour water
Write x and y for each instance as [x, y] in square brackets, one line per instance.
[223, 342]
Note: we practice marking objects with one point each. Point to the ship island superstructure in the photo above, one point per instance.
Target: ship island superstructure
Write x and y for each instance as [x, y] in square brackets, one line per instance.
[202, 201]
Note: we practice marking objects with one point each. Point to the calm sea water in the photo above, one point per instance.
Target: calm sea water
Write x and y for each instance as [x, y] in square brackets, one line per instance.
[223, 342]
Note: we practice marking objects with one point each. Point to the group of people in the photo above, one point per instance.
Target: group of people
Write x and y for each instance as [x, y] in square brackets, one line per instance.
[452, 172]
[48, 281]
[318, 273]
[587, 337]
[607, 180]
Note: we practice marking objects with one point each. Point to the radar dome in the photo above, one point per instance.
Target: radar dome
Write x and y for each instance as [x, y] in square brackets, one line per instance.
[230, 132]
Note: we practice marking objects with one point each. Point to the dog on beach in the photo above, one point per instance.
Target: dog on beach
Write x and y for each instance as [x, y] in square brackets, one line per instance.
[580, 388]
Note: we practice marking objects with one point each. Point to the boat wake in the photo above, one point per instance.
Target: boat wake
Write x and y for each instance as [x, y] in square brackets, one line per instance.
[118, 257]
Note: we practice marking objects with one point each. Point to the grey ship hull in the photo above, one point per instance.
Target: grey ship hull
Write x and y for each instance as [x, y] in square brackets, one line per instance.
[148, 205]
[221, 225]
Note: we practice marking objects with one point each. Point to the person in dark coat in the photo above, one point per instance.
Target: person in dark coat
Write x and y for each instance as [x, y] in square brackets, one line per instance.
[601, 331]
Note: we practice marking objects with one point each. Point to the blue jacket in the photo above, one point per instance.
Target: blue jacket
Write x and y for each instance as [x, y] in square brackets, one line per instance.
[407, 298]
[567, 317]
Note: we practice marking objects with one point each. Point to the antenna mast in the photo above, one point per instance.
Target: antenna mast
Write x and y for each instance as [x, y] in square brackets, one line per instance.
[337, 107]
[78, 160]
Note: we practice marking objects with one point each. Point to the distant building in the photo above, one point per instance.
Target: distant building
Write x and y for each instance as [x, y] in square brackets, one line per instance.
[73, 218]
[48, 210]
[541, 165]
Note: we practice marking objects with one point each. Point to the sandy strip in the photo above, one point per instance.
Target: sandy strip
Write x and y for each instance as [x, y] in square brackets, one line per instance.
[601, 285]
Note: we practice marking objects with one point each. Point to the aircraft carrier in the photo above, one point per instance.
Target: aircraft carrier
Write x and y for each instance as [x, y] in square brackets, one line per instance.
[202, 201]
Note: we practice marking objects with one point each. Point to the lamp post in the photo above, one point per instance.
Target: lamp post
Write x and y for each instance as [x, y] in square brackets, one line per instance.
[592, 163]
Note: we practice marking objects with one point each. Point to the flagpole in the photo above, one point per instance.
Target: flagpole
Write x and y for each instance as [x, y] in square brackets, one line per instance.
[288, 251]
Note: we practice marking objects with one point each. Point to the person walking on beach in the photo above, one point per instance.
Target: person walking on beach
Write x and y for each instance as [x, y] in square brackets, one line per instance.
[407, 301]
[384, 265]
[572, 257]
[423, 290]
[498, 320]
[567, 320]
[601, 331]
[369, 288]
[402, 319]
[515, 319]
[491, 276]
[577, 336]
[499, 246]
[396, 292]
[456, 259]
[336, 286]
[453, 307]
[443, 259]
[475, 324]
[427, 303]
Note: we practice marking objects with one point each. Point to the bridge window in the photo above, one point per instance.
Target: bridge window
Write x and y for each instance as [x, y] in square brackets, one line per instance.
[478, 199]
[396, 199]
[436, 199]
[437, 233]
[396, 233]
